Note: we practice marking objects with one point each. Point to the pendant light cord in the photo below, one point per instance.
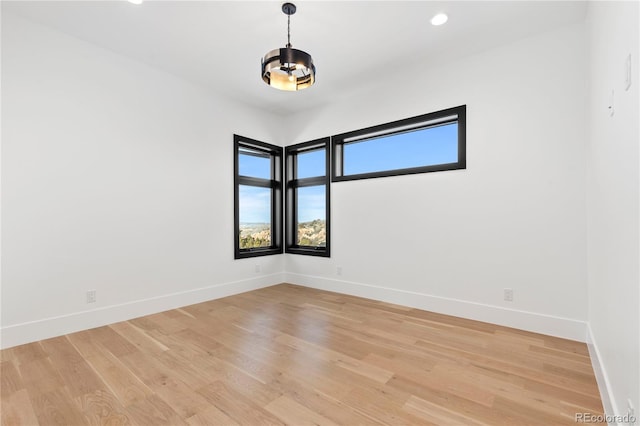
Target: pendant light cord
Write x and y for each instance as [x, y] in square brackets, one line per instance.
[288, 30]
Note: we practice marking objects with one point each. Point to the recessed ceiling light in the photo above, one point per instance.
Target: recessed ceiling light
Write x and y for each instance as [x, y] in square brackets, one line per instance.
[439, 19]
[135, 1]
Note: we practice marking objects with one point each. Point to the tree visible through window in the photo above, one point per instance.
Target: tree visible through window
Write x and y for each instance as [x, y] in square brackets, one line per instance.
[258, 198]
[307, 198]
[255, 217]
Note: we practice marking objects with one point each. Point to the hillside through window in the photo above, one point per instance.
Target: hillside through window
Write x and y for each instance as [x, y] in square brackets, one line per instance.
[307, 198]
[258, 198]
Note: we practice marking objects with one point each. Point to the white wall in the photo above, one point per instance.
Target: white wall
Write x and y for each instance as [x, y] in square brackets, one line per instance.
[613, 203]
[515, 218]
[115, 177]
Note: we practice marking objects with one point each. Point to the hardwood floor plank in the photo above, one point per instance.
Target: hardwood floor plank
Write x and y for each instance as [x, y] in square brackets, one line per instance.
[237, 406]
[56, 407]
[16, 409]
[40, 376]
[143, 341]
[102, 408]
[188, 372]
[124, 384]
[531, 415]
[112, 341]
[454, 403]
[565, 345]
[87, 344]
[384, 404]
[294, 413]
[154, 411]
[437, 415]
[330, 406]
[556, 354]
[293, 355]
[367, 370]
[179, 397]
[583, 403]
[23, 353]
[10, 380]
[77, 374]
[211, 416]
[461, 381]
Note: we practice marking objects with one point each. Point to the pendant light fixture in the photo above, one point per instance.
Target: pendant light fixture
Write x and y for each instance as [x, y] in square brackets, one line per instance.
[288, 68]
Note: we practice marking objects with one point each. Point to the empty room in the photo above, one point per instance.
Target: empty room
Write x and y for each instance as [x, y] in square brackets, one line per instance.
[320, 213]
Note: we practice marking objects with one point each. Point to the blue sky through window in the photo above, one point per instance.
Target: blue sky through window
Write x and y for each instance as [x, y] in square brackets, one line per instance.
[311, 163]
[311, 203]
[255, 204]
[425, 147]
[254, 165]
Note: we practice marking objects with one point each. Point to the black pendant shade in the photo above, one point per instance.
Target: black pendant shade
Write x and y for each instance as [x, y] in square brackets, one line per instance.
[288, 68]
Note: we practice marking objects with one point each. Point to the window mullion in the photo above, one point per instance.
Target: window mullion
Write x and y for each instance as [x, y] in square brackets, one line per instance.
[313, 181]
[262, 183]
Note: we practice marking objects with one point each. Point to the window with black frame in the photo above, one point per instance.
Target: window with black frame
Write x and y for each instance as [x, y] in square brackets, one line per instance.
[307, 186]
[258, 198]
[426, 143]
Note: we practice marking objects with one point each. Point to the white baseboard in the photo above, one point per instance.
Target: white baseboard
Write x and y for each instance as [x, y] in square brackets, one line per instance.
[32, 331]
[566, 328]
[604, 386]
[18, 334]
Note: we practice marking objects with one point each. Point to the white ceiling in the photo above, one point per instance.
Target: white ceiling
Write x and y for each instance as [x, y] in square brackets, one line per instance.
[354, 44]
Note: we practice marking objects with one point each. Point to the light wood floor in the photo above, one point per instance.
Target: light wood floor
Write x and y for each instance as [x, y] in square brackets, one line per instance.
[293, 355]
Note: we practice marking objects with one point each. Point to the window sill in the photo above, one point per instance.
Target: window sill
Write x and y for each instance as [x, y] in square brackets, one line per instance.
[243, 254]
[309, 251]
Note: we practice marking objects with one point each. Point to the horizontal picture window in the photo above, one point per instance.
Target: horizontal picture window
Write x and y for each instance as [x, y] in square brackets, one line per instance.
[426, 143]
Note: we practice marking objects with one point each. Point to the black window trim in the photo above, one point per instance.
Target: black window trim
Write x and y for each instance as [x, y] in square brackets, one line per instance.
[291, 184]
[438, 118]
[275, 183]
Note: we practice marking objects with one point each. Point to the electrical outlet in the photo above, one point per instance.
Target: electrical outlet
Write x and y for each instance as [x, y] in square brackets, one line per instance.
[339, 270]
[258, 268]
[508, 294]
[91, 296]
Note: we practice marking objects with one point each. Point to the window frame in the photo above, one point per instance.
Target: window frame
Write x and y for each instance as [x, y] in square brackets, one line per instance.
[275, 154]
[292, 183]
[438, 118]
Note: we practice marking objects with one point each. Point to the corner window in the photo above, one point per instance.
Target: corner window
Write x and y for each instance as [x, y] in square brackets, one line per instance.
[258, 198]
[426, 143]
[307, 198]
